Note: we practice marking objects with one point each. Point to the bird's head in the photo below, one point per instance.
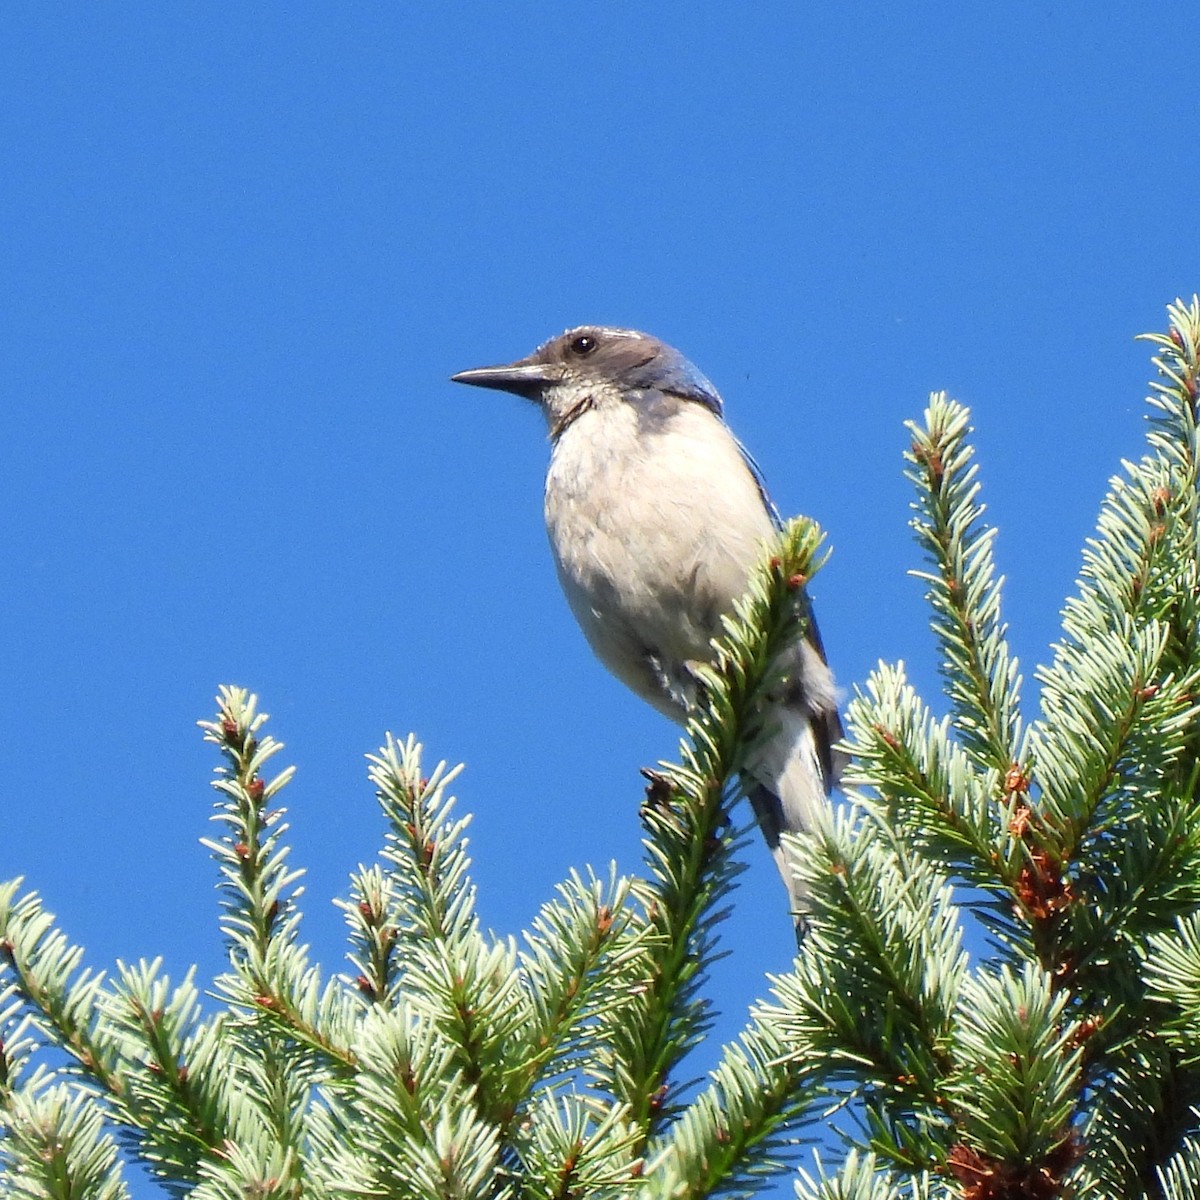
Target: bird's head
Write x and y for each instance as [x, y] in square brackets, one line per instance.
[593, 365]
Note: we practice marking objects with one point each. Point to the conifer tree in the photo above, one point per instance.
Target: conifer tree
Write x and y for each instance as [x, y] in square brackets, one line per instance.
[1063, 1059]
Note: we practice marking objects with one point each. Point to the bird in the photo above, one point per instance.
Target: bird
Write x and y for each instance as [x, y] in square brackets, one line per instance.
[657, 516]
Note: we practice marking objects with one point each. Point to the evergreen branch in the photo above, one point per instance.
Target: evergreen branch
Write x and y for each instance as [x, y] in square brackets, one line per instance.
[741, 1128]
[1175, 426]
[927, 785]
[1017, 1071]
[1139, 1112]
[570, 1147]
[18, 1038]
[175, 1097]
[261, 917]
[982, 679]
[862, 1177]
[1174, 501]
[1094, 725]
[872, 1001]
[260, 896]
[55, 1146]
[125, 1042]
[1180, 1178]
[1138, 581]
[1173, 982]
[410, 1124]
[266, 1151]
[375, 948]
[42, 968]
[1143, 551]
[254, 1171]
[425, 845]
[1118, 730]
[687, 817]
[1117, 752]
[1112, 730]
[463, 985]
[1136, 877]
[583, 959]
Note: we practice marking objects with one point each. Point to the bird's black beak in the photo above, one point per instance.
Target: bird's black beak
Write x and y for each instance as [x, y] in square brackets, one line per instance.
[524, 378]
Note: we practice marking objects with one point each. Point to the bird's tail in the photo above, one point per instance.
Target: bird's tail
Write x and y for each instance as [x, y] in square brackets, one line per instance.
[789, 780]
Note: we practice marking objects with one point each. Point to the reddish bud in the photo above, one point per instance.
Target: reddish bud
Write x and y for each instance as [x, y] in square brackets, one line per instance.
[255, 789]
[985, 1178]
[1019, 825]
[604, 919]
[929, 457]
[1042, 888]
[969, 1167]
[658, 788]
[888, 738]
[1160, 498]
[365, 986]
[229, 729]
[1148, 692]
[1086, 1029]
[242, 851]
[1015, 779]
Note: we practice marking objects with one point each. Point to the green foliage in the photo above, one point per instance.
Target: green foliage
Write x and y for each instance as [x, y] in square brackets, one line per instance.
[1062, 1058]
[451, 1062]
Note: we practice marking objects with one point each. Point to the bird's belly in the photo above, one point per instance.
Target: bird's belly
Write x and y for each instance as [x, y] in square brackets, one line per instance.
[650, 555]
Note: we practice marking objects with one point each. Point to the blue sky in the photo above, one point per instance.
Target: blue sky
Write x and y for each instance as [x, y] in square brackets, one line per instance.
[243, 248]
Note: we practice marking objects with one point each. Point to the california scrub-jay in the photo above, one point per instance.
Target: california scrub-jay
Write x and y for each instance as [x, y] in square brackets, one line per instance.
[656, 517]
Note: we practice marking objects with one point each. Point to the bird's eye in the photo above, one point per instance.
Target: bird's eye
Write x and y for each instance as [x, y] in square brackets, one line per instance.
[583, 345]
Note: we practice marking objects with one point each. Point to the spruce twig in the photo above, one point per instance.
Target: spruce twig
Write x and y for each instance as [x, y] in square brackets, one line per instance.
[982, 679]
[691, 836]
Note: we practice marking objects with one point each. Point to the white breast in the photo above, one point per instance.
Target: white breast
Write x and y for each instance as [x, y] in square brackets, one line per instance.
[655, 526]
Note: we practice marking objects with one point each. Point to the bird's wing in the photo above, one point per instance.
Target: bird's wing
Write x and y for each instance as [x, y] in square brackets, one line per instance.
[827, 725]
[760, 483]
